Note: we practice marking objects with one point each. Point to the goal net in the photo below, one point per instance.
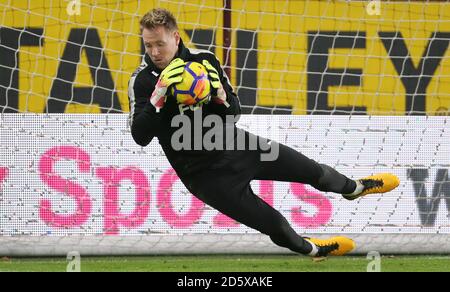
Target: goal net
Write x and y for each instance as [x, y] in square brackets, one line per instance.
[363, 86]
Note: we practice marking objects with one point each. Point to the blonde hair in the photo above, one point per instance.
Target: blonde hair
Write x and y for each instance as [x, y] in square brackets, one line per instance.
[159, 17]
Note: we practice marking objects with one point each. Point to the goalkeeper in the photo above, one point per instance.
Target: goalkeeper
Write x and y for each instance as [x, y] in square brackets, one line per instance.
[221, 178]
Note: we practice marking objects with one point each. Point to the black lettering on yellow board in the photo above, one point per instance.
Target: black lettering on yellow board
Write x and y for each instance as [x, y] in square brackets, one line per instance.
[63, 92]
[415, 80]
[320, 76]
[11, 39]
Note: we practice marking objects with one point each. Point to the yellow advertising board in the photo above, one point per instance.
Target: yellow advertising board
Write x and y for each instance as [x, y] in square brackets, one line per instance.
[304, 56]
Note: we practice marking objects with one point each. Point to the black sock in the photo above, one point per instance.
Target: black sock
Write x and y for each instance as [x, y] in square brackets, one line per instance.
[350, 186]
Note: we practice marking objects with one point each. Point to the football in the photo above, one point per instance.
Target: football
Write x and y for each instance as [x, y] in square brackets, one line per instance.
[195, 86]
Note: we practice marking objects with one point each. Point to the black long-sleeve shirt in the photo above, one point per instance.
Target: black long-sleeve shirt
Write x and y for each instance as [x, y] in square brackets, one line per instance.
[146, 123]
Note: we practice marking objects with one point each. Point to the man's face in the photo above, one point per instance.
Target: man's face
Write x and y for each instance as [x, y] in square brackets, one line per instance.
[161, 45]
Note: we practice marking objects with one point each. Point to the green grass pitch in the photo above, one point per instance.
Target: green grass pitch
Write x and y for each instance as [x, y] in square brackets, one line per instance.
[229, 263]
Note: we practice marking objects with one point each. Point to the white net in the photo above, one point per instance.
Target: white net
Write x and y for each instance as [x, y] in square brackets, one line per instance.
[64, 175]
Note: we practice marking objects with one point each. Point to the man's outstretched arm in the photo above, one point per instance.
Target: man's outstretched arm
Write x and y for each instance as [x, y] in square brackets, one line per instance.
[144, 121]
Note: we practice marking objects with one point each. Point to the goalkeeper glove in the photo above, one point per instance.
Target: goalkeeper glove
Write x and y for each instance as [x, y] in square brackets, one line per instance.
[169, 76]
[219, 95]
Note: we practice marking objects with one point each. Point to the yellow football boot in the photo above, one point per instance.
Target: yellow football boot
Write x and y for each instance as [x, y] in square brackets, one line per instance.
[336, 246]
[378, 183]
